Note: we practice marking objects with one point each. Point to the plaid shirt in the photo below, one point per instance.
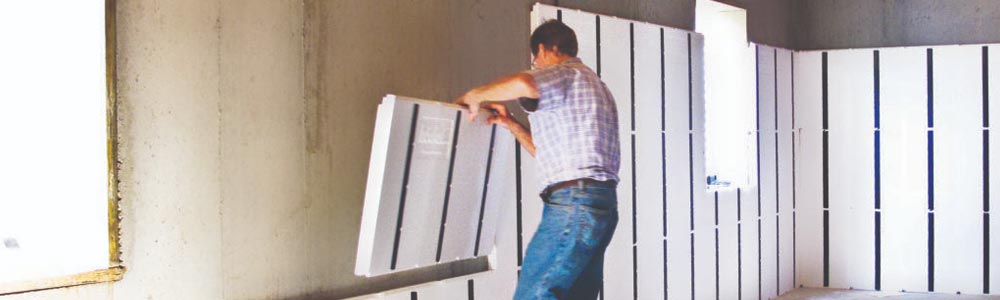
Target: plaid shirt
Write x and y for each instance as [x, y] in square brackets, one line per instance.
[575, 125]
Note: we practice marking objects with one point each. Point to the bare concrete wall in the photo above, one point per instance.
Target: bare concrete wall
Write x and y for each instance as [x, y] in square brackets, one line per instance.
[246, 129]
[838, 24]
[769, 22]
[672, 13]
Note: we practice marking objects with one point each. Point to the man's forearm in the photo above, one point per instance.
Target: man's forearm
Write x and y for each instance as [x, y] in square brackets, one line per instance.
[507, 88]
[523, 136]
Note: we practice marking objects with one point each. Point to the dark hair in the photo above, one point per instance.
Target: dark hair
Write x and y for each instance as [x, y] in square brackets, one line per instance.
[554, 33]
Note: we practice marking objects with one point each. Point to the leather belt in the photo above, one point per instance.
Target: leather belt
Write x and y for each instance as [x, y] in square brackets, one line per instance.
[575, 182]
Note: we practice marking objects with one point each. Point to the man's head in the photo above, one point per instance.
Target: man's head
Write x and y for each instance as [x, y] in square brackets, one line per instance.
[551, 43]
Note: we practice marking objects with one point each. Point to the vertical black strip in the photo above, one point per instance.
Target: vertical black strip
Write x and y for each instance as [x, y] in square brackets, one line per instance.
[826, 180]
[777, 184]
[631, 47]
[597, 33]
[739, 243]
[486, 184]
[663, 154]
[930, 169]
[757, 120]
[878, 173]
[559, 15]
[472, 290]
[635, 238]
[597, 23]
[691, 155]
[413, 295]
[406, 181]
[716, 245]
[447, 189]
[518, 186]
[794, 184]
[986, 170]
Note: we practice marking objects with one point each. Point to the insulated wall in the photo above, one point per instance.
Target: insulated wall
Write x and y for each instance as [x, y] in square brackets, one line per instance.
[893, 168]
[675, 239]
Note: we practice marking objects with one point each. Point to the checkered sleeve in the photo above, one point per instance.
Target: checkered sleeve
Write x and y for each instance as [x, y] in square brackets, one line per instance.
[552, 83]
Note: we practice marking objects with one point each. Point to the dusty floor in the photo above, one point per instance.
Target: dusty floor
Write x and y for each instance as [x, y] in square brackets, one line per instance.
[832, 294]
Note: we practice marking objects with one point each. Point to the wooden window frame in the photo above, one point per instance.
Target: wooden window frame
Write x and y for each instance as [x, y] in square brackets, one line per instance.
[115, 270]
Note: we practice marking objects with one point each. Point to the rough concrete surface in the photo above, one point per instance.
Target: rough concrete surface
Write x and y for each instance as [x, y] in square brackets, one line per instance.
[839, 24]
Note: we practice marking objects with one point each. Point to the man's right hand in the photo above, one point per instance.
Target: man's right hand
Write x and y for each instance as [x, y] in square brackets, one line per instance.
[500, 115]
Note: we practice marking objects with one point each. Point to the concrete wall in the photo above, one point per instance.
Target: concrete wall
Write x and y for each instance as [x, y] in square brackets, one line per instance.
[769, 22]
[246, 129]
[838, 24]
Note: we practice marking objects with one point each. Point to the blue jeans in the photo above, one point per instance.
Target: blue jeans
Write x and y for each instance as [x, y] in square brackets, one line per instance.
[565, 258]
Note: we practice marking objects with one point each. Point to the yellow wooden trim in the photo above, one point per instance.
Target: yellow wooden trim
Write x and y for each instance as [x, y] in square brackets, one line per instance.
[111, 63]
[106, 275]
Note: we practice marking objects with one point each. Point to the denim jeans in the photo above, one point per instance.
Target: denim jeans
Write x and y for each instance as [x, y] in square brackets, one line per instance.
[565, 258]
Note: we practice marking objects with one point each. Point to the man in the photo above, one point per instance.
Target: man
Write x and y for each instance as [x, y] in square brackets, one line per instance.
[574, 136]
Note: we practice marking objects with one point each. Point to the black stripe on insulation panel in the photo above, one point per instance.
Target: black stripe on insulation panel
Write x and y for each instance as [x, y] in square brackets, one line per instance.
[826, 179]
[878, 172]
[486, 184]
[447, 189]
[406, 181]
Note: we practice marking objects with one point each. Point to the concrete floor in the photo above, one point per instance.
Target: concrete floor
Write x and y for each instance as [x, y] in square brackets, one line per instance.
[834, 294]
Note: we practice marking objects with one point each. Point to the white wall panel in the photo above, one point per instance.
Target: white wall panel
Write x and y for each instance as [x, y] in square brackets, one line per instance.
[766, 122]
[851, 169]
[678, 216]
[704, 202]
[675, 55]
[809, 164]
[957, 169]
[785, 244]
[616, 73]
[698, 82]
[904, 168]
[677, 156]
[704, 216]
[649, 162]
[749, 249]
[585, 26]
[994, 116]
[728, 247]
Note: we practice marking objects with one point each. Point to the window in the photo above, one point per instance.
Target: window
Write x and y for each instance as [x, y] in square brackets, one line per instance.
[58, 215]
[729, 92]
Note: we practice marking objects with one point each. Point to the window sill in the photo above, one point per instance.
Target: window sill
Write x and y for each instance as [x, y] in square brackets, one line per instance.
[98, 276]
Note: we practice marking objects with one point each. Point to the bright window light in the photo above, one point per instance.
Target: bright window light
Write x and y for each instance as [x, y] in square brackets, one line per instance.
[729, 93]
[53, 124]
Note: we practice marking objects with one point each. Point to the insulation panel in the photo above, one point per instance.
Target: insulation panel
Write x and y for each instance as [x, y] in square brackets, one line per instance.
[425, 160]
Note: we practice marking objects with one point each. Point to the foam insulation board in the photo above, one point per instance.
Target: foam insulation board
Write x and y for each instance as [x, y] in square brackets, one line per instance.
[903, 106]
[649, 162]
[808, 165]
[728, 250]
[851, 169]
[958, 153]
[993, 91]
[786, 258]
[427, 180]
